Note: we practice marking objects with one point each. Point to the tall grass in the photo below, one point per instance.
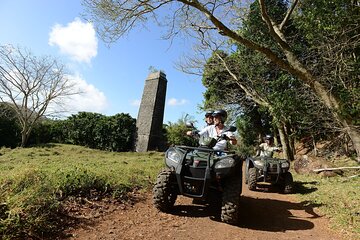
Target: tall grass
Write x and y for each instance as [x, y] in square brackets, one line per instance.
[34, 181]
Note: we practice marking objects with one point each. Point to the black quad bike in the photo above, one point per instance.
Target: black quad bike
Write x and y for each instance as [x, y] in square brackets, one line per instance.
[201, 173]
[270, 170]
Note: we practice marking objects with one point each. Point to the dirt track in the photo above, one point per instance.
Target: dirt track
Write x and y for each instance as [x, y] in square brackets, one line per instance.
[265, 214]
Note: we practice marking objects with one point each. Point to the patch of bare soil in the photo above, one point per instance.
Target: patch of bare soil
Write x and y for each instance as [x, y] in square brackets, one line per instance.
[265, 214]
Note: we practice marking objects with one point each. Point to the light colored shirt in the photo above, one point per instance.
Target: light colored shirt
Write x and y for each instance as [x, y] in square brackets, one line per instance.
[266, 150]
[210, 131]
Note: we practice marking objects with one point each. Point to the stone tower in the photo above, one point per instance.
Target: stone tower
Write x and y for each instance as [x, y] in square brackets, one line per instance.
[151, 113]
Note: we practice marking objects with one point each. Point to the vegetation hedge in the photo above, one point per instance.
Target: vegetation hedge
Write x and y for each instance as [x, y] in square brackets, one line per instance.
[112, 133]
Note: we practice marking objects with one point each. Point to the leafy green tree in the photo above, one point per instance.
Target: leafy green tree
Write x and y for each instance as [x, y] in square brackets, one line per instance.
[176, 133]
[81, 128]
[94, 130]
[9, 127]
[293, 108]
[59, 131]
[123, 129]
[252, 125]
[332, 30]
[41, 132]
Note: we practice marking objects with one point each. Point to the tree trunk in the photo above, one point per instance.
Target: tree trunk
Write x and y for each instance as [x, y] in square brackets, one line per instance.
[332, 103]
[314, 145]
[285, 143]
[290, 139]
[25, 133]
[23, 139]
[354, 135]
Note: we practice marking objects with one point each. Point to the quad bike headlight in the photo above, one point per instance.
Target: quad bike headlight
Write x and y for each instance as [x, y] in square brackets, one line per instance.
[173, 155]
[225, 163]
[285, 165]
[259, 163]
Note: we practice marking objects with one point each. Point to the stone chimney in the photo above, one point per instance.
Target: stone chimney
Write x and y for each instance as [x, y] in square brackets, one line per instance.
[151, 114]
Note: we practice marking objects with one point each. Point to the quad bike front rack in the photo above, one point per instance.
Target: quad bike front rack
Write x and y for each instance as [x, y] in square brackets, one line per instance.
[194, 177]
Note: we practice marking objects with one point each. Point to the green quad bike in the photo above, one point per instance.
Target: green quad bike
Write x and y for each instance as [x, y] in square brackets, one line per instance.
[203, 174]
[270, 170]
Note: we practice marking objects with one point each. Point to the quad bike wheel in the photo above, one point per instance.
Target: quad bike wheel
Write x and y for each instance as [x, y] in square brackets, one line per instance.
[164, 191]
[288, 183]
[252, 179]
[246, 178]
[231, 200]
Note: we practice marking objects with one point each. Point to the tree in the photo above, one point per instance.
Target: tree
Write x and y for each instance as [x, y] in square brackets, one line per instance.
[176, 132]
[244, 79]
[207, 18]
[30, 84]
[94, 130]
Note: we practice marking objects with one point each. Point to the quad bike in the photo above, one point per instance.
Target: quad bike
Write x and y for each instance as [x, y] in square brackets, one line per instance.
[201, 173]
[270, 170]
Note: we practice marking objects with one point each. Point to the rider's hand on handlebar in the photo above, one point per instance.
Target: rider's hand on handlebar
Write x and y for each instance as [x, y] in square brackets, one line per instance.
[224, 136]
[192, 133]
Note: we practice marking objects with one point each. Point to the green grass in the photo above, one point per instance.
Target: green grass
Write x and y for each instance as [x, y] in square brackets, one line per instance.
[34, 181]
[336, 197]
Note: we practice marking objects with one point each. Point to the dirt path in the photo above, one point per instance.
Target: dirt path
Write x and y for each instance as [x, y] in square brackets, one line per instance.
[265, 214]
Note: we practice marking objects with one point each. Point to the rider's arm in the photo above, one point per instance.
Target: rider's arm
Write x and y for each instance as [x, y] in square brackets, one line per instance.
[259, 149]
[231, 138]
[200, 133]
[206, 130]
[276, 149]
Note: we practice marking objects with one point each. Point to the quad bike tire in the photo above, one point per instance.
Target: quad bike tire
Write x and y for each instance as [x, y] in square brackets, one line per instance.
[288, 183]
[246, 178]
[231, 200]
[164, 191]
[252, 179]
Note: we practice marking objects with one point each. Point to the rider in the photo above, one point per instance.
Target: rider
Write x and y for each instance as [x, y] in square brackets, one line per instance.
[216, 130]
[267, 148]
[209, 119]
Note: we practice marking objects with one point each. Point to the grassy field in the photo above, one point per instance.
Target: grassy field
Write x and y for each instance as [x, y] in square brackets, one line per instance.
[35, 181]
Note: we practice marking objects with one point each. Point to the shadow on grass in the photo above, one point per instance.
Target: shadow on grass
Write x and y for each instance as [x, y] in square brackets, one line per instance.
[302, 188]
[43, 145]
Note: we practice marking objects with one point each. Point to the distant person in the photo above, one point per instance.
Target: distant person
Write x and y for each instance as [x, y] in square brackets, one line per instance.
[216, 130]
[267, 148]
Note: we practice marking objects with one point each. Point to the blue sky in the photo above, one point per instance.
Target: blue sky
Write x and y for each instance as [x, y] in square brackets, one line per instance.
[111, 77]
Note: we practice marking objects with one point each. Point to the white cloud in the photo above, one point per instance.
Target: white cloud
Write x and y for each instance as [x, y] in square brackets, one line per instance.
[90, 98]
[177, 102]
[77, 39]
[135, 102]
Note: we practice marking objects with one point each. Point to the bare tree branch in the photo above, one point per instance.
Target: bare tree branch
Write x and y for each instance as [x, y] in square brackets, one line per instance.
[288, 14]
